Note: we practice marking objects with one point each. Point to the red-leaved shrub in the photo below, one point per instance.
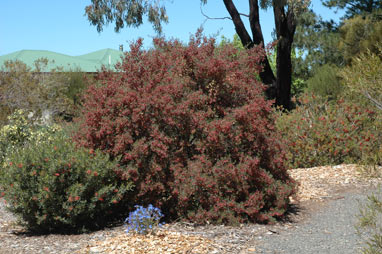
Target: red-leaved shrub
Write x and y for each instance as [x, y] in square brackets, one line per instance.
[195, 133]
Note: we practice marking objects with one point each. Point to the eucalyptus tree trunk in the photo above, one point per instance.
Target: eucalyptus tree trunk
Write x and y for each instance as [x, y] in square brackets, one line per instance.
[279, 86]
[285, 29]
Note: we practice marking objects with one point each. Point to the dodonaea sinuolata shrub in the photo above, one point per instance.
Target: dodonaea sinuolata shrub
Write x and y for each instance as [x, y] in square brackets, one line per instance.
[322, 133]
[54, 186]
[195, 133]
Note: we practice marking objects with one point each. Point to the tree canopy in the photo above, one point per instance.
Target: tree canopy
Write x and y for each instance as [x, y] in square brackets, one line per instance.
[103, 12]
[319, 40]
[354, 7]
[360, 34]
[328, 42]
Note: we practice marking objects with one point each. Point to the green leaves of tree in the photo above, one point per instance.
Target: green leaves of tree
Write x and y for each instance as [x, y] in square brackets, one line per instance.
[360, 34]
[126, 12]
[354, 7]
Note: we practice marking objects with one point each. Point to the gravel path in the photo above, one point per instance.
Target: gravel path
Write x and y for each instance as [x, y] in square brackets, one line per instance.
[329, 230]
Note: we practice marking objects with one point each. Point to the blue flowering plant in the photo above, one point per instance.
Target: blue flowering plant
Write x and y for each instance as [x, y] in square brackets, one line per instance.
[144, 220]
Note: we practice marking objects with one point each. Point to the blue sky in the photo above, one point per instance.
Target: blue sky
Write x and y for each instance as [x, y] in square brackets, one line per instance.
[61, 26]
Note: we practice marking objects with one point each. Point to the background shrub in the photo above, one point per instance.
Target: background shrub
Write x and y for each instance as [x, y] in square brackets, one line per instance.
[75, 83]
[326, 82]
[362, 81]
[20, 131]
[53, 186]
[322, 133]
[361, 34]
[194, 131]
[363, 78]
[55, 92]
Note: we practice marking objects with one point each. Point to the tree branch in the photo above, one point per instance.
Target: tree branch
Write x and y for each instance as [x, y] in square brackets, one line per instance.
[377, 103]
[239, 25]
[267, 75]
[245, 15]
[208, 17]
[254, 21]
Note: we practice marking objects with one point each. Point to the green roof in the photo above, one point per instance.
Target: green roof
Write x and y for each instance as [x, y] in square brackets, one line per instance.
[91, 62]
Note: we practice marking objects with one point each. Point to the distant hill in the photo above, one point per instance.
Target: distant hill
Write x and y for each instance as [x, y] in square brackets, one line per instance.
[91, 62]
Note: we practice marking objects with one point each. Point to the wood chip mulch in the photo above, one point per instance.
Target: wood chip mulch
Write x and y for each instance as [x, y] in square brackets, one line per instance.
[165, 242]
[315, 184]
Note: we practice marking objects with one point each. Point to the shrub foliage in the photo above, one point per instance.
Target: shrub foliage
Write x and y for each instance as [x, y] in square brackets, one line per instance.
[38, 91]
[194, 131]
[20, 131]
[326, 82]
[322, 133]
[53, 186]
[364, 77]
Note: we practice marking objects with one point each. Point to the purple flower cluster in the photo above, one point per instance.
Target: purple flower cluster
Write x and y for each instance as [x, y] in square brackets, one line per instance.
[144, 220]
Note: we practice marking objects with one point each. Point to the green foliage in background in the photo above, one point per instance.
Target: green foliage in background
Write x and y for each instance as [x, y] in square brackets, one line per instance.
[298, 83]
[76, 83]
[57, 92]
[20, 89]
[319, 41]
[354, 7]
[19, 132]
[326, 82]
[236, 42]
[364, 78]
[360, 34]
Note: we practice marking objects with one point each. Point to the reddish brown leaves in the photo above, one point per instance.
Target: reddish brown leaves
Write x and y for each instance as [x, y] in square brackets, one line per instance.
[193, 128]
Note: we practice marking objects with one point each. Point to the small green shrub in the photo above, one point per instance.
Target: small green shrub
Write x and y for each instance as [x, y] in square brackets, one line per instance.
[370, 224]
[321, 133]
[298, 87]
[75, 83]
[54, 186]
[325, 82]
